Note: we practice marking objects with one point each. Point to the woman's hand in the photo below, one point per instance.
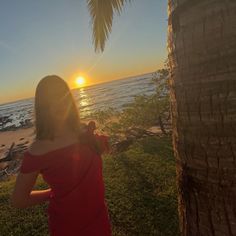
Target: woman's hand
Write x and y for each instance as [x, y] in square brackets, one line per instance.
[23, 196]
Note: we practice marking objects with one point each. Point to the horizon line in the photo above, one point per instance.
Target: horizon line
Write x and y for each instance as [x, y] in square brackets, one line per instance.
[22, 99]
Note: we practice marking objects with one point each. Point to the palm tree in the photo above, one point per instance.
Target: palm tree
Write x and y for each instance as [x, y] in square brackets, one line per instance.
[202, 60]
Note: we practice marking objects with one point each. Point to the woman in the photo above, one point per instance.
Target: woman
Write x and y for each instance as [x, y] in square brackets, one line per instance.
[69, 163]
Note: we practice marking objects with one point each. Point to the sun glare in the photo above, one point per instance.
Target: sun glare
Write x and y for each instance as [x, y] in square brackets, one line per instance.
[80, 81]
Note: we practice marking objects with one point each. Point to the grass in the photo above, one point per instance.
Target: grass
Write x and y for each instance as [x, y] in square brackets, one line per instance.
[140, 192]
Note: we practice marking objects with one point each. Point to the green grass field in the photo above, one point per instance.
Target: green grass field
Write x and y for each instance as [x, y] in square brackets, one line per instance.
[140, 192]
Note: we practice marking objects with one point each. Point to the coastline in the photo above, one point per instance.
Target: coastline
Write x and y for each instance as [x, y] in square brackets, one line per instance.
[13, 143]
[90, 99]
[12, 146]
[17, 136]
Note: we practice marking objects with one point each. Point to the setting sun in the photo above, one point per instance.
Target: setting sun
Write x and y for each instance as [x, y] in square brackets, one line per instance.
[80, 81]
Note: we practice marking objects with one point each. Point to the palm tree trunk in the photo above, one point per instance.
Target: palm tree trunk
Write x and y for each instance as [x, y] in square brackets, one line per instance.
[202, 58]
[162, 127]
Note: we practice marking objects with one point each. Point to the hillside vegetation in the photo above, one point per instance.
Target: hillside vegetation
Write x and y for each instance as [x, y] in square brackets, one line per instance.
[140, 192]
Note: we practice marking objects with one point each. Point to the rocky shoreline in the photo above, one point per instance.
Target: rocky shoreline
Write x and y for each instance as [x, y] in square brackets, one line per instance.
[11, 159]
[13, 143]
[7, 124]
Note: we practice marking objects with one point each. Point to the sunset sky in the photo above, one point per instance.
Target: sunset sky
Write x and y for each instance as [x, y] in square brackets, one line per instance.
[44, 37]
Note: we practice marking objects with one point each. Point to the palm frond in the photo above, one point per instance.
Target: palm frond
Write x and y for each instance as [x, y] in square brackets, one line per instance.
[102, 12]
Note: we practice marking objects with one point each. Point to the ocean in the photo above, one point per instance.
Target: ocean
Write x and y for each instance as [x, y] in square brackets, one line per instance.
[113, 94]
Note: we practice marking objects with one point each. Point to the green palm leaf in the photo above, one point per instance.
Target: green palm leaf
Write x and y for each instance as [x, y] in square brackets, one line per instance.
[102, 12]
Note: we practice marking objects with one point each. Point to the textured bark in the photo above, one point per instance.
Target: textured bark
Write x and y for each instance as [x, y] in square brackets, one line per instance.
[162, 127]
[202, 58]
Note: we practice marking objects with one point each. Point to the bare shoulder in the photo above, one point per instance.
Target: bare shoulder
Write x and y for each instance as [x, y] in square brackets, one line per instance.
[39, 147]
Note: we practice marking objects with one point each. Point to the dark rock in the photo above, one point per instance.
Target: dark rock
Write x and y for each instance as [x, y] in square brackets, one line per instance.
[9, 155]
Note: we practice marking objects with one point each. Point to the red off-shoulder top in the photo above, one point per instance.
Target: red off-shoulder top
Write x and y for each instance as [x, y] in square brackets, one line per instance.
[77, 206]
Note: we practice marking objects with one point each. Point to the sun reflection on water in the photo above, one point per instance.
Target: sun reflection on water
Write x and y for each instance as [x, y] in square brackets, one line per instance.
[84, 103]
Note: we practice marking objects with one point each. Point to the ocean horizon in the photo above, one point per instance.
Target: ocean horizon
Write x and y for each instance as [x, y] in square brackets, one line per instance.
[114, 94]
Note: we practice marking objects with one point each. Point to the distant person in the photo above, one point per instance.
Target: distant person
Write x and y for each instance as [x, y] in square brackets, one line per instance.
[69, 162]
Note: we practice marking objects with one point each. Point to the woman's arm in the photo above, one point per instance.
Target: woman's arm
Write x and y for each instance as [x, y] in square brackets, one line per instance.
[23, 196]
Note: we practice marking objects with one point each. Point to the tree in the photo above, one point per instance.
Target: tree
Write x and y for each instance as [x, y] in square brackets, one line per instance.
[133, 115]
[202, 60]
[157, 106]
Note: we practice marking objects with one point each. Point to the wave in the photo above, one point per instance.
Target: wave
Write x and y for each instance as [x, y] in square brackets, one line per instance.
[89, 99]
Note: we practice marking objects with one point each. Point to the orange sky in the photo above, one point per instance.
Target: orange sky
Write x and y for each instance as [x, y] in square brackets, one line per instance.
[60, 43]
